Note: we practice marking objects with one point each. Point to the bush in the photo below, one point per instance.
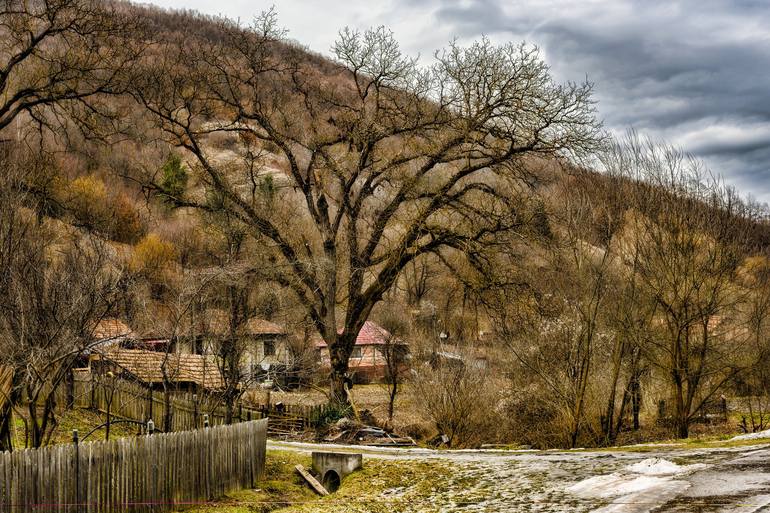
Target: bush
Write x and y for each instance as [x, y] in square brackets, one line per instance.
[86, 198]
[462, 402]
[152, 255]
[331, 414]
[126, 224]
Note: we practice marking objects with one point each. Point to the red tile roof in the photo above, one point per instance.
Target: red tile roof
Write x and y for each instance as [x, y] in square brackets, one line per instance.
[111, 328]
[371, 334]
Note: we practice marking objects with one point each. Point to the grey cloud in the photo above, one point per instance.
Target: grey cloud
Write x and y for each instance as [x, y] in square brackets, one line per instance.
[696, 72]
[673, 68]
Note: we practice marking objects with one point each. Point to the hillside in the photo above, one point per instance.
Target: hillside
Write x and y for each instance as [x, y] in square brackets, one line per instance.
[222, 168]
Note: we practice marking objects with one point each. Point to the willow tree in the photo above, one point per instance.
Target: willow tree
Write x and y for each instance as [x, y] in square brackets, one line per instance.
[347, 171]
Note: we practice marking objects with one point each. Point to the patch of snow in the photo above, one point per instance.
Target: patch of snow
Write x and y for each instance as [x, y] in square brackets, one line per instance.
[614, 485]
[639, 487]
[661, 467]
[646, 500]
[752, 436]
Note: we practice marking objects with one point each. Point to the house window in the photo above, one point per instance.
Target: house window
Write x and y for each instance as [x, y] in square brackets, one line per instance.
[356, 352]
[269, 347]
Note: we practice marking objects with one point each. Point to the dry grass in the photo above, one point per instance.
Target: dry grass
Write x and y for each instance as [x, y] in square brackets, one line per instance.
[408, 418]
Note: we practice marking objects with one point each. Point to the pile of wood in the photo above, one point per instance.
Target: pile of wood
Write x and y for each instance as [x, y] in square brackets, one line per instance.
[347, 431]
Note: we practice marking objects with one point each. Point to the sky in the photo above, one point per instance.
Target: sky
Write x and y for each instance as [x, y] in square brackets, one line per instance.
[695, 73]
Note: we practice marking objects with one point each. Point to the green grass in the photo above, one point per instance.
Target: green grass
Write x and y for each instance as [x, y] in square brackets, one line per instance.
[82, 420]
[382, 486]
[282, 486]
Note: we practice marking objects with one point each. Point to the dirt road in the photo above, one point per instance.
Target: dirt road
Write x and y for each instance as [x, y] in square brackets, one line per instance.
[662, 479]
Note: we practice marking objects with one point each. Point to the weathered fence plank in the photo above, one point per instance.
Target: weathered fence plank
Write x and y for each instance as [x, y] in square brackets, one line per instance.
[141, 474]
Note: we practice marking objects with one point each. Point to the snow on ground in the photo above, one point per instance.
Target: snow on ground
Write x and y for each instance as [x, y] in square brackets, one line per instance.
[752, 436]
[663, 480]
[614, 485]
[661, 467]
[639, 487]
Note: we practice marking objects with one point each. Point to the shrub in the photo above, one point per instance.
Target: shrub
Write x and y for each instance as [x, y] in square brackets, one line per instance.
[152, 255]
[174, 177]
[126, 224]
[461, 400]
[87, 201]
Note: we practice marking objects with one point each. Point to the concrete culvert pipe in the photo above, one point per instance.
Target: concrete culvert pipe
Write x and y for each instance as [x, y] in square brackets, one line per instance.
[331, 481]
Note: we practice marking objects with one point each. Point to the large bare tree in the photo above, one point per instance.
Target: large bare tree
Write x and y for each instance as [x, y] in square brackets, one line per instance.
[372, 161]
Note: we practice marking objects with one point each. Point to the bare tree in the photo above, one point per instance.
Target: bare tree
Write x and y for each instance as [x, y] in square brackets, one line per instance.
[380, 161]
[54, 288]
[689, 235]
[58, 56]
[394, 352]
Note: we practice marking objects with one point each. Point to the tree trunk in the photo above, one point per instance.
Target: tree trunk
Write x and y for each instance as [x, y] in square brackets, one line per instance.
[636, 401]
[167, 414]
[681, 416]
[6, 416]
[392, 401]
[339, 374]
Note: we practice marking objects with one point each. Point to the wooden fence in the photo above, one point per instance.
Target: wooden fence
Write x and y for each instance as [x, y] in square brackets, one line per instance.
[153, 473]
[132, 401]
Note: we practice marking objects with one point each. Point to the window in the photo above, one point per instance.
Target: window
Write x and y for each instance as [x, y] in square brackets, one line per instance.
[269, 347]
[356, 352]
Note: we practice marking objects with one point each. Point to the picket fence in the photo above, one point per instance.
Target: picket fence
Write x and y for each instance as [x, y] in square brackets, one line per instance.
[151, 473]
[132, 401]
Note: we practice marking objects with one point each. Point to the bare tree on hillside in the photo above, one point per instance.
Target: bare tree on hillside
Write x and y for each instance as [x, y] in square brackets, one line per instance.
[54, 288]
[381, 162]
[690, 237]
[57, 56]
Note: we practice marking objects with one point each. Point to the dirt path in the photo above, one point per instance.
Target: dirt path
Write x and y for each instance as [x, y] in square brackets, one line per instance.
[666, 479]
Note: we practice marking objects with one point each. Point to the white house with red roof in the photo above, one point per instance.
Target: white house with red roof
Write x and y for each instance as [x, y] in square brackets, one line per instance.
[368, 360]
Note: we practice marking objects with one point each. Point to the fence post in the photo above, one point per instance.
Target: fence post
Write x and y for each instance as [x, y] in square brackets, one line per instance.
[205, 420]
[150, 427]
[195, 411]
[76, 441]
[149, 403]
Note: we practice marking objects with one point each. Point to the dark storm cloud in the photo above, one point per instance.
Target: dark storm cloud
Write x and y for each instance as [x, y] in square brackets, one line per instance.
[694, 72]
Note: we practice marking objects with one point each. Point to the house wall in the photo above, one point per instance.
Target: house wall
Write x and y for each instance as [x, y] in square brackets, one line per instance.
[370, 366]
[254, 355]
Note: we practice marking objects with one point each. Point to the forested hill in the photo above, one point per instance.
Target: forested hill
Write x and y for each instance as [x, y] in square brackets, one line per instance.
[171, 168]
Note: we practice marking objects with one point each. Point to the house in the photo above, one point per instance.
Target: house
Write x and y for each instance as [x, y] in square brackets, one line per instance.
[264, 344]
[110, 332]
[186, 372]
[368, 362]
[266, 353]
